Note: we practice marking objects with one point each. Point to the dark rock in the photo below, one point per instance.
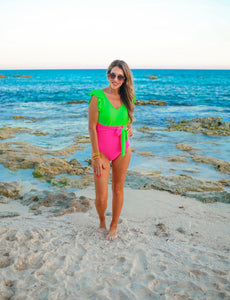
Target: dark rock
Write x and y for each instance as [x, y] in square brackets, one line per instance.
[61, 202]
[219, 165]
[146, 129]
[20, 155]
[18, 117]
[186, 147]
[174, 158]
[205, 125]
[10, 189]
[75, 101]
[223, 196]
[150, 102]
[175, 184]
[8, 214]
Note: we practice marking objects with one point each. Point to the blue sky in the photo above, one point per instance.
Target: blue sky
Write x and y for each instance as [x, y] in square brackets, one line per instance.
[90, 34]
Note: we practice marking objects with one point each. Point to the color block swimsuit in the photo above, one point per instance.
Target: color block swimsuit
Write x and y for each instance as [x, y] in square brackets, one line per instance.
[112, 135]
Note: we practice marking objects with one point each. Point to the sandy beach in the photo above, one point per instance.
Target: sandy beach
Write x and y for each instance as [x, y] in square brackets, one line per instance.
[169, 247]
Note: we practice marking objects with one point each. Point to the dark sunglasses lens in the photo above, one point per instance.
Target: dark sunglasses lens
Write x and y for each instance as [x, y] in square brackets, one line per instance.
[112, 75]
[120, 77]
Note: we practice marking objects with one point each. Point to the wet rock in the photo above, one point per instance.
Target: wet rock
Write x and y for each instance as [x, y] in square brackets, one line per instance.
[191, 171]
[82, 139]
[145, 153]
[10, 189]
[151, 76]
[180, 184]
[175, 184]
[8, 214]
[39, 132]
[219, 165]
[205, 125]
[18, 117]
[64, 152]
[75, 101]
[146, 129]
[65, 182]
[9, 132]
[174, 158]
[60, 202]
[3, 76]
[55, 166]
[206, 197]
[150, 102]
[17, 75]
[20, 155]
[186, 147]
[26, 76]
[224, 182]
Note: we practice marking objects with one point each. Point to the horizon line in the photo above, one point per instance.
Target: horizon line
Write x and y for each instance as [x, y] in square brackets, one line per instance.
[145, 68]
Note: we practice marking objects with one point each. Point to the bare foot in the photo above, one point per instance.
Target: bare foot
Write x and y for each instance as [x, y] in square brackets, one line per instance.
[112, 235]
[102, 229]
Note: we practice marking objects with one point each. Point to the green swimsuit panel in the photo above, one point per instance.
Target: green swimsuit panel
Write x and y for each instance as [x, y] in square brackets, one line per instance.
[108, 114]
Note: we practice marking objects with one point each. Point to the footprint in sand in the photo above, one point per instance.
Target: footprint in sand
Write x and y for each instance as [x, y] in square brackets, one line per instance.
[5, 262]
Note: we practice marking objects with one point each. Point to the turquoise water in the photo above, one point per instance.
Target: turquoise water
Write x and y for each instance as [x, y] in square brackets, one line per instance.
[188, 93]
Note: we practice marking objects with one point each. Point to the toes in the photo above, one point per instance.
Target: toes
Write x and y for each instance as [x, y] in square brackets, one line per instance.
[111, 237]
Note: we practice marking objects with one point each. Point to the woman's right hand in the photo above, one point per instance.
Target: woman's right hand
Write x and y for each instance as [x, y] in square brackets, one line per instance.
[98, 166]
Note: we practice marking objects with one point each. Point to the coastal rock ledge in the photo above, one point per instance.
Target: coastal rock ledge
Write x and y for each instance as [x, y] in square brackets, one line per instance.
[10, 189]
[205, 125]
[60, 203]
[175, 184]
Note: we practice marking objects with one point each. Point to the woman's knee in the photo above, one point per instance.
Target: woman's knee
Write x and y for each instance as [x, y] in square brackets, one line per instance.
[101, 201]
[118, 191]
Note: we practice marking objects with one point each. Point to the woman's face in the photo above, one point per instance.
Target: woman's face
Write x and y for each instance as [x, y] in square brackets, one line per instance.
[116, 82]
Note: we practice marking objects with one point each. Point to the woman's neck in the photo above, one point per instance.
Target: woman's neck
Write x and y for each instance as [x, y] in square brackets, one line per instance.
[112, 91]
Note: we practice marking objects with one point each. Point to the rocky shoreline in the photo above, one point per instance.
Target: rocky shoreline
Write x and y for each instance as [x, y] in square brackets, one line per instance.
[54, 168]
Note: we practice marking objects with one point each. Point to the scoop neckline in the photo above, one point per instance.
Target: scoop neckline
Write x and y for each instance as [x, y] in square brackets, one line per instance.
[110, 102]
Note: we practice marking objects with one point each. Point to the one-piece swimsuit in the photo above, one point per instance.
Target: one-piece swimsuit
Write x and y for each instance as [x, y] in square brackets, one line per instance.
[112, 135]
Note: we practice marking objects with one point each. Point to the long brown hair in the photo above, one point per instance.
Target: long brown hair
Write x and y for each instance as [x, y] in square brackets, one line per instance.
[127, 88]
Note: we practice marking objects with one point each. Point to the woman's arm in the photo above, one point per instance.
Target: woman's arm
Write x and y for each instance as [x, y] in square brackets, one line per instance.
[92, 124]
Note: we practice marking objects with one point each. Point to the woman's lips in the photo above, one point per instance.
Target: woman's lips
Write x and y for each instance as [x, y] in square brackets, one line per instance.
[115, 83]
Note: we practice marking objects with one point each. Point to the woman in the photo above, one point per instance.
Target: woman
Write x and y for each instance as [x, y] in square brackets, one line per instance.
[110, 126]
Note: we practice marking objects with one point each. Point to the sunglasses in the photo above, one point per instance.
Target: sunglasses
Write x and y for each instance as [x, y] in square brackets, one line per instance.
[119, 77]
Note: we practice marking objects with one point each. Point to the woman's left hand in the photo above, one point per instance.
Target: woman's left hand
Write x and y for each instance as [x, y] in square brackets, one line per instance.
[129, 130]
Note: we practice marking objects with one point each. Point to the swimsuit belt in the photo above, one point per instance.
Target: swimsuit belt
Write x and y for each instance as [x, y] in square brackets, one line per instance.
[124, 137]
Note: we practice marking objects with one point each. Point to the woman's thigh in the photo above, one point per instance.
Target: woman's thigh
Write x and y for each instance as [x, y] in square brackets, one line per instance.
[101, 183]
[119, 169]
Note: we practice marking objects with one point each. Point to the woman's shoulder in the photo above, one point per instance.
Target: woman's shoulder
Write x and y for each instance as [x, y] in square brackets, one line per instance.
[97, 92]
[100, 98]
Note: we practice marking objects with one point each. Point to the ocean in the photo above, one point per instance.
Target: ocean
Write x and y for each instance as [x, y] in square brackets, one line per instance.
[188, 93]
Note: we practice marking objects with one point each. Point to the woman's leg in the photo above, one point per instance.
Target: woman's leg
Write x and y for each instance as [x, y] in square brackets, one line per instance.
[119, 170]
[101, 191]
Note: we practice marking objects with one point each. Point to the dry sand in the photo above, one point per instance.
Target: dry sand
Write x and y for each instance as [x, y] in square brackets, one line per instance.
[186, 257]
